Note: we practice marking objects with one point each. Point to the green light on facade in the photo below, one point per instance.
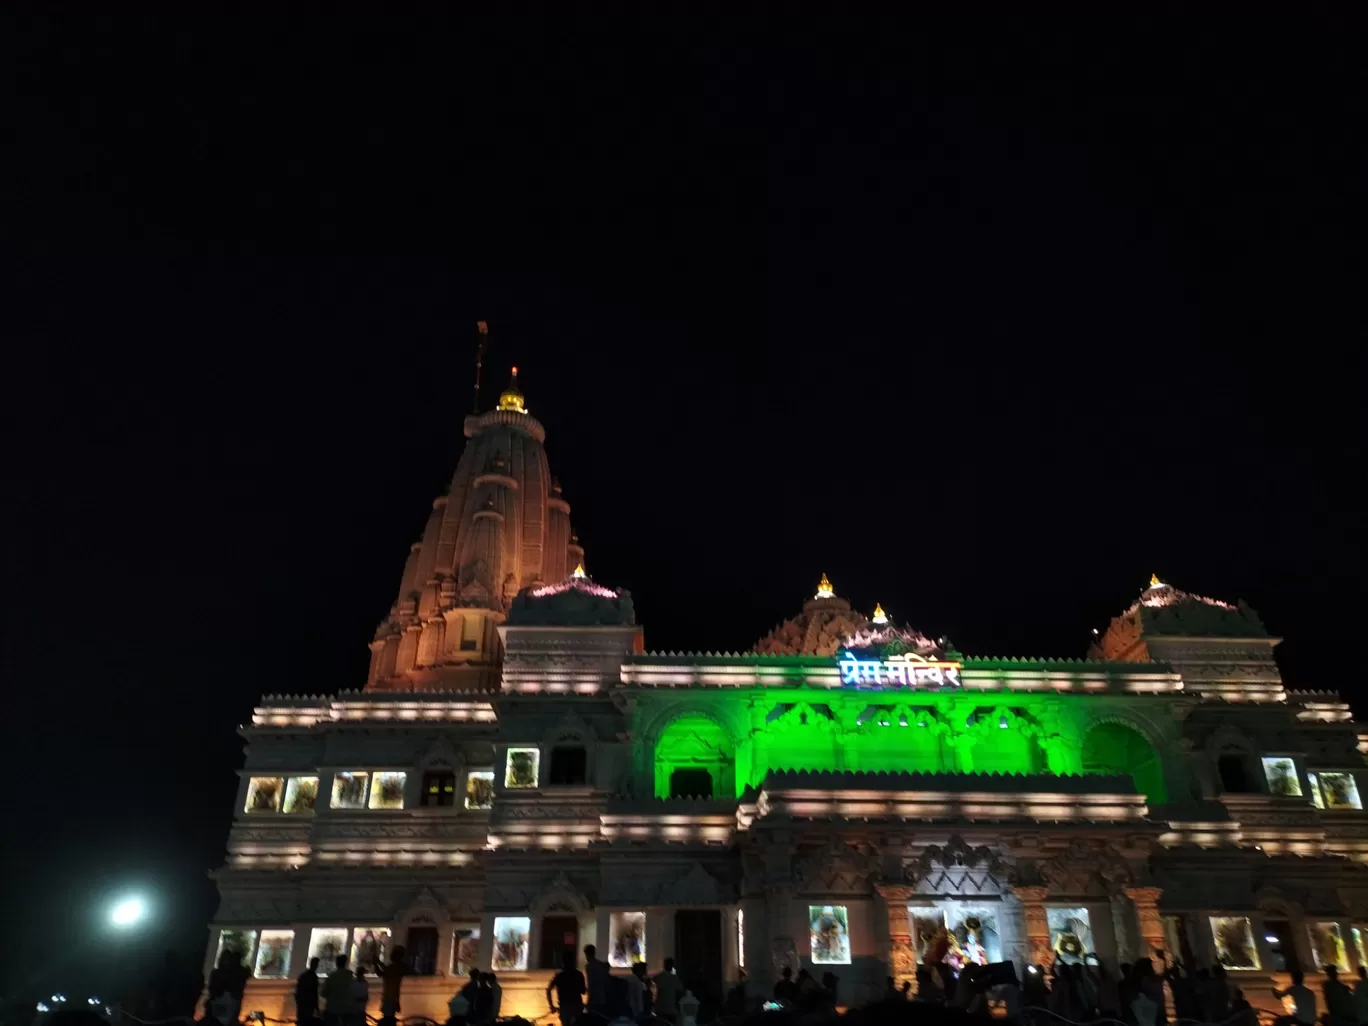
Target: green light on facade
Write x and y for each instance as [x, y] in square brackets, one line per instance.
[737, 737]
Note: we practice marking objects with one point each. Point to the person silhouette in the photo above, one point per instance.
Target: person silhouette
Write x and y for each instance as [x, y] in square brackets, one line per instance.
[306, 994]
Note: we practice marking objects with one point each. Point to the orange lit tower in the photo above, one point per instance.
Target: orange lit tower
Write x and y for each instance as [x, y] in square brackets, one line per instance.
[502, 525]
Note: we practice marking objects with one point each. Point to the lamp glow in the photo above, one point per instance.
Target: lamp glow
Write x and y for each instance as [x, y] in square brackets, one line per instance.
[127, 912]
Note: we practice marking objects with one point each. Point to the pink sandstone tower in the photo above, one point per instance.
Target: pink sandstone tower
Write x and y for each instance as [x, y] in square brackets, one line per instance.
[501, 526]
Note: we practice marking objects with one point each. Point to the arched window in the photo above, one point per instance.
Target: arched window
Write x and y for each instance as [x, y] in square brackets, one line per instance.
[1114, 748]
[569, 766]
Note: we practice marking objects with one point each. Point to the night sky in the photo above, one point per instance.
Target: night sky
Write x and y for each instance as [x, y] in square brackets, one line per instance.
[986, 322]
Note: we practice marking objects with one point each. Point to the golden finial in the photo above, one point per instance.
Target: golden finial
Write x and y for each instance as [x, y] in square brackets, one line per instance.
[579, 573]
[511, 399]
[879, 615]
[1155, 582]
[824, 589]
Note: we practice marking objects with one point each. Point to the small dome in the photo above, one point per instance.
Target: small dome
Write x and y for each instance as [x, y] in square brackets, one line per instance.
[574, 602]
[1164, 611]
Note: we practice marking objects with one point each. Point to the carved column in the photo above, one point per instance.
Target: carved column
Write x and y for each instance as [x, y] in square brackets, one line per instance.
[1037, 928]
[902, 958]
[1147, 918]
[779, 913]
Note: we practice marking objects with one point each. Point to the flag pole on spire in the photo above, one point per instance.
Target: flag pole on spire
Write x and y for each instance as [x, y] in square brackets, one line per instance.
[481, 349]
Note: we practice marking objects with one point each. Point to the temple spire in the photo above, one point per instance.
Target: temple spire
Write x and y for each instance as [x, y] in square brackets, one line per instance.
[824, 589]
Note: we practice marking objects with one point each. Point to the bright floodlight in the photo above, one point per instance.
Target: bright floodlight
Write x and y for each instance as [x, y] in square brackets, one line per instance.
[127, 912]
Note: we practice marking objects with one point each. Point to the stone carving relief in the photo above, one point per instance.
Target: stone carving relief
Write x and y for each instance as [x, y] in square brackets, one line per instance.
[695, 887]
[837, 866]
[560, 895]
[264, 910]
[425, 906]
[476, 584]
[270, 836]
[1085, 869]
[958, 868]
[552, 812]
[414, 831]
[441, 753]
[570, 728]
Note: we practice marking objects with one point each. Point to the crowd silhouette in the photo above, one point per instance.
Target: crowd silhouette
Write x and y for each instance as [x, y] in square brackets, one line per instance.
[1074, 991]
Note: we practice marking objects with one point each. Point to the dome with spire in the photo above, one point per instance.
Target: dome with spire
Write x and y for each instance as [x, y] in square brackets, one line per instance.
[1163, 611]
[828, 625]
[576, 601]
[501, 526]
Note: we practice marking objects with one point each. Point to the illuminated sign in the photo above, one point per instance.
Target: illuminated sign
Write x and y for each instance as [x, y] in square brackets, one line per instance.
[906, 670]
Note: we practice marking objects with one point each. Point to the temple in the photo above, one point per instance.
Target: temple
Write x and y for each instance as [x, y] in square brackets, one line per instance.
[520, 775]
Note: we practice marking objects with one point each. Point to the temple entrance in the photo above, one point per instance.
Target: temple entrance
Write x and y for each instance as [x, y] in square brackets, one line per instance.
[559, 934]
[698, 957]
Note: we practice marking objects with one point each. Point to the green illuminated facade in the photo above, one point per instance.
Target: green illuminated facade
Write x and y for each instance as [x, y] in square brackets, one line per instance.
[732, 739]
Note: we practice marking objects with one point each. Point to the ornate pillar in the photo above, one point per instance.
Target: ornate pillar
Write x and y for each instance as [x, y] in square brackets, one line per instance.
[902, 958]
[779, 919]
[1147, 918]
[1037, 928]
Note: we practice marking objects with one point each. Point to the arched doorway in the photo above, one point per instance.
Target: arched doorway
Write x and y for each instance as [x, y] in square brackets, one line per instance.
[1118, 749]
[694, 758]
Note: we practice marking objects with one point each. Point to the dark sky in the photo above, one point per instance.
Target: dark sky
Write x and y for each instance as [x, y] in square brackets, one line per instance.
[988, 322]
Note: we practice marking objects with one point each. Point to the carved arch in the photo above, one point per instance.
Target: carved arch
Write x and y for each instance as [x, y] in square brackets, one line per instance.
[569, 729]
[1279, 904]
[442, 754]
[1136, 721]
[917, 715]
[1085, 869]
[560, 895]
[802, 714]
[987, 720]
[957, 867]
[1226, 739]
[658, 720]
[424, 909]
